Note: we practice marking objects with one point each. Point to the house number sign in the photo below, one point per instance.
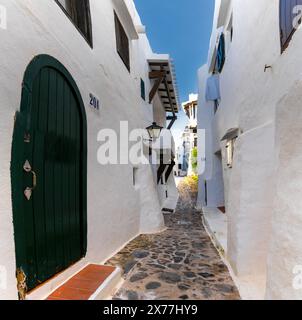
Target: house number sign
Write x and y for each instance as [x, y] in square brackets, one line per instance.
[94, 102]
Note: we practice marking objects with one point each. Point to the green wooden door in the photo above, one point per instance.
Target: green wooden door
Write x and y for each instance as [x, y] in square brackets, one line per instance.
[49, 162]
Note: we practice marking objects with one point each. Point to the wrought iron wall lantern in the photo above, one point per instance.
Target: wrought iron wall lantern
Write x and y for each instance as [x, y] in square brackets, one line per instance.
[154, 131]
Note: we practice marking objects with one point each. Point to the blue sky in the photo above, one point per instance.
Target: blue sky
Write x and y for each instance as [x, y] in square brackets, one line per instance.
[181, 28]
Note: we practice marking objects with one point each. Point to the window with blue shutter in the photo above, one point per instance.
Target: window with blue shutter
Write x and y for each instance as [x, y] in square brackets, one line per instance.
[122, 42]
[220, 59]
[288, 17]
[143, 90]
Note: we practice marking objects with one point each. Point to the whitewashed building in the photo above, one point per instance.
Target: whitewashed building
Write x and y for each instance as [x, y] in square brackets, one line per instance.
[68, 70]
[190, 134]
[188, 139]
[250, 105]
[183, 153]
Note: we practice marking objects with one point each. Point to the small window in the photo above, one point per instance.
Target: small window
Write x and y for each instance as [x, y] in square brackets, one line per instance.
[290, 18]
[143, 90]
[122, 42]
[220, 59]
[78, 12]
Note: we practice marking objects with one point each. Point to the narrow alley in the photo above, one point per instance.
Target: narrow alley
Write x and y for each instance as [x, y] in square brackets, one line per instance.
[150, 150]
[178, 264]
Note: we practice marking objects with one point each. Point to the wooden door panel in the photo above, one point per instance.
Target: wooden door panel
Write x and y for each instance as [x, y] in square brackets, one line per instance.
[65, 176]
[73, 174]
[50, 227]
[56, 195]
[25, 250]
[58, 190]
[49, 111]
[58, 170]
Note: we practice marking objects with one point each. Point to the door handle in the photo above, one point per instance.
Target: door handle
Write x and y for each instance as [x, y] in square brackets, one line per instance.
[28, 191]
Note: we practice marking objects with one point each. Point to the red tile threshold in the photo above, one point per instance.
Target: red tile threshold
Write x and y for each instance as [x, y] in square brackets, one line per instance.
[84, 284]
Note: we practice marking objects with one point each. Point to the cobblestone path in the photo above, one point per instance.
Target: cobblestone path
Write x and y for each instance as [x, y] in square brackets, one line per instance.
[178, 264]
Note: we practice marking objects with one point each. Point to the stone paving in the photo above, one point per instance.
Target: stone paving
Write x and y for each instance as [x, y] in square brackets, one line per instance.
[180, 263]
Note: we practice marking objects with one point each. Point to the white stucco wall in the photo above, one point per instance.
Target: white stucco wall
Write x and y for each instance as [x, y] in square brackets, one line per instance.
[117, 211]
[151, 220]
[210, 167]
[249, 204]
[263, 223]
[286, 244]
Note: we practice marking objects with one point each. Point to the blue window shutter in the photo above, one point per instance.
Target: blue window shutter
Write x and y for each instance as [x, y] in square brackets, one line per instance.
[221, 53]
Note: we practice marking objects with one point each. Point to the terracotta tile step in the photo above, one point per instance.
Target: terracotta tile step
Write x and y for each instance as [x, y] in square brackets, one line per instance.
[85, 284]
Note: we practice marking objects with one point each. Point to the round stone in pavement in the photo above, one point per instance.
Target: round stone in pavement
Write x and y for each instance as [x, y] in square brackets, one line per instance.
[138, 276]
[180, 254]
[206, 275]
[177, 259]
[170, 277]
[174, 266]
[128, 266]
[140, 254]
[226, 288]
[190, 274]
[183, 287]
[206, 292]
[197, 245]
[132, 295]
[157, 266]
[153, 285]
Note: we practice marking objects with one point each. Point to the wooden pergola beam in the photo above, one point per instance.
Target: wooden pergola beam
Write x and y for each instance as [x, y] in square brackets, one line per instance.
[172, 122]
[168, 103]
[164, 90]
[155, 88]
[162, 84]
[169, 170]
[159, 76]
[159, 64]
[166, 97]
[169, 117]
[172, 104]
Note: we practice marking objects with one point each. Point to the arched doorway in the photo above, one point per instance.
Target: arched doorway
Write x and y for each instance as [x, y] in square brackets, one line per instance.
[49, 173]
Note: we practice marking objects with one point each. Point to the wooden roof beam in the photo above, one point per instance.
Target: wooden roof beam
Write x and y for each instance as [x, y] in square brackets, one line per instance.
[159, 64]
[159, 76]
[164, 90]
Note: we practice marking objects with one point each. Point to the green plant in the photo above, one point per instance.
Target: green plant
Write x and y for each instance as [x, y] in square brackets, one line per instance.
[194, 154]
[191, 182]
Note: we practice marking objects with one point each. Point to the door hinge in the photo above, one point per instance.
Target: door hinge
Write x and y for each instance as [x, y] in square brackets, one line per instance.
[21, 283]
